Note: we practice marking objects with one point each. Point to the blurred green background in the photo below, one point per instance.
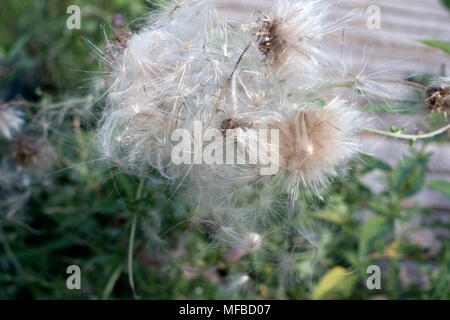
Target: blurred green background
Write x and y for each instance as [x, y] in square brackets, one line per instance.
[81, 211]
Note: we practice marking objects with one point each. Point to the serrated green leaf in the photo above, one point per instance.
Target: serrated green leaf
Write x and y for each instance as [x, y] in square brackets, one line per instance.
[409, 175]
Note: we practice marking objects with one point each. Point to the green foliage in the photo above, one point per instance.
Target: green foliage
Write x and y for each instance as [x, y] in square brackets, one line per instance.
[357, 244]
[337, 283]
[446, 3]
[35, 39]
[409, 175]
[441, 186]
[442, 45]
[375, 228]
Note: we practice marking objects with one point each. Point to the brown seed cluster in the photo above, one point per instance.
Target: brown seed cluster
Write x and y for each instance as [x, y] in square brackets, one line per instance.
[122, 34]
[230, 124]
[439, 100]
[119, 43]
[26, 149]
[33, 152]
[269, 42]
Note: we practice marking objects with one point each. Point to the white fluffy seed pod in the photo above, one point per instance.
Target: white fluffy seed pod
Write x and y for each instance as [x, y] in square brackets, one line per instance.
[296, 39]
[188, 67]
[314, 141]
[10, 121]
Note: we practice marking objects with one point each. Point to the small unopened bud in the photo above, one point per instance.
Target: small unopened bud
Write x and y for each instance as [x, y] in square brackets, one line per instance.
[118, 20]
[439, 100]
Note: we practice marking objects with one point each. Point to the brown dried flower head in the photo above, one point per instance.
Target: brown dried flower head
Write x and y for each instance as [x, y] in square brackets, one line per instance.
[314, 141]
[122, 34]
[270, 42]
[439, 100]
[293, 34]
[33, 152]
[231, 124]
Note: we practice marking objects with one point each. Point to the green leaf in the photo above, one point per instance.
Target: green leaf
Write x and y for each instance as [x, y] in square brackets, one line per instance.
[337, 212]
[441, 186]
[442, 45]
[338, 283]
[446, 3]
[409, 175]
[373, 229]
[18, 46]
[395, 129]
[372, 163]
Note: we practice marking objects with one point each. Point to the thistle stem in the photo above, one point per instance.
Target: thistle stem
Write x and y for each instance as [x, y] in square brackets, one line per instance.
[111, 282]
[131, 241]
[9, 253]
[130, 254]
[227, 83]
[55, 105]
[413, 137]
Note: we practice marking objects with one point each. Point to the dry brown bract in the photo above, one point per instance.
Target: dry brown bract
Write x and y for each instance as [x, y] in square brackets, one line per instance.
[230, 124]
[118, 44]
[439, 100]
[269, 42]
[33, 152]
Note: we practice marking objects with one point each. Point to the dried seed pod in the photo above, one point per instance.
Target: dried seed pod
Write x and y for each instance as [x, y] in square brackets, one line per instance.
[439, 100]
[315, 141]
[122, 34]
[33, 152]
[231, 124]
